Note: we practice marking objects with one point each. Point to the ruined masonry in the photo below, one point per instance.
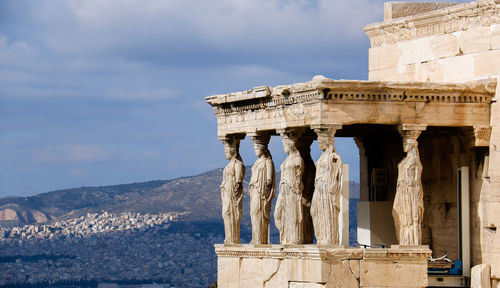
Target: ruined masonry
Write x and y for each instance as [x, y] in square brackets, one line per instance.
[427, 126]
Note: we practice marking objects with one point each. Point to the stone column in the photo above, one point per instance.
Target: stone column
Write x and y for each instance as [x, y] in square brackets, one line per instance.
[408, 208]
[328, 183]
[304, 147]
[289, 212]
[261, 189]
[364, 193]
[232, 189]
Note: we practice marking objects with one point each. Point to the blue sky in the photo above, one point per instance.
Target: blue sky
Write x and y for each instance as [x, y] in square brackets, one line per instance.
[104, 92]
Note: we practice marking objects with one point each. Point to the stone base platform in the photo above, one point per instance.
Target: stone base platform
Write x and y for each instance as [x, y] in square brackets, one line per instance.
[312, 266]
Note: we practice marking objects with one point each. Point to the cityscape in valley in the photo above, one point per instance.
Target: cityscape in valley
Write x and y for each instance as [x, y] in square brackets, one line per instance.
[96, 248]
[125, 248]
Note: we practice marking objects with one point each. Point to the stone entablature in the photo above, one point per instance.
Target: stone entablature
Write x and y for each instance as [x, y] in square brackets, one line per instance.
[442, 21]
[344, 102]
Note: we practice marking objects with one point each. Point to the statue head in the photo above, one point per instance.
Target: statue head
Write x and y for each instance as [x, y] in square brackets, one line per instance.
[260, 144]
[231, 147]
[325, 138]
[260, 149]
[325, 141]
[289, 144]
[409, 144]
[410, 138]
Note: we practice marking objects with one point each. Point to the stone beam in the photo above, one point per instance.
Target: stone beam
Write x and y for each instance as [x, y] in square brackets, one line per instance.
[325, 102]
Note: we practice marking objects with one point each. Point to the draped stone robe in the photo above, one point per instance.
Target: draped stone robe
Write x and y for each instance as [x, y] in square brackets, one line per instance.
[325, 204]
[261, 195]
[232, 198]
[288, 214]
[408, 209]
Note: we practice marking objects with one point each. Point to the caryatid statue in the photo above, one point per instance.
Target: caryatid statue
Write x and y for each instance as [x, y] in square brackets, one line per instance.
[261, 190]
[325, 205]
[288, 213]
[232, 190]
[408, 209]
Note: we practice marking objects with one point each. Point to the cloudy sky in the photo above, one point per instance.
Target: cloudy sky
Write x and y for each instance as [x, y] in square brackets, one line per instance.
[103, 92]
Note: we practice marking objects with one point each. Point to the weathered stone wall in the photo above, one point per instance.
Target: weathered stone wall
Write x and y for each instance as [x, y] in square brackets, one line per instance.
[442, 152]
[464, 46]
[308, 266]
[454, 44]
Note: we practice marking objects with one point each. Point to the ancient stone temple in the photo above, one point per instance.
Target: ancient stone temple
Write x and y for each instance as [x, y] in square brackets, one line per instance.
[427, 126]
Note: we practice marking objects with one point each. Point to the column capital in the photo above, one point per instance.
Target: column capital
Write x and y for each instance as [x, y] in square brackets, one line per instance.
[260, 138]
[327, 130]
[411, 131]
[412, 127]
[333, 126]
[230, 137]
[292, 133]
[255, 132]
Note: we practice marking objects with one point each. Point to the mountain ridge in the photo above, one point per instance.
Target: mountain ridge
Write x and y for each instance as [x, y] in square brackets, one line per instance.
[199, 195]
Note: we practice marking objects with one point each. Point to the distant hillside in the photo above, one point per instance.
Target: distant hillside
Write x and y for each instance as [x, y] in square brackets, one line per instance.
[199, 195]
[13, 214]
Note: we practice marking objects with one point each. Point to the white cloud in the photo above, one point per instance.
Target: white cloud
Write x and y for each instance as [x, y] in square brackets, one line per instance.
[140, 155]
[77, 173]
[16, 55]
[163, 94]
[226, 24]
[72, 154]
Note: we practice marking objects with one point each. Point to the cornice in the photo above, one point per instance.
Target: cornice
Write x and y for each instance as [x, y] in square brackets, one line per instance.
[341, 91]
[320, 252]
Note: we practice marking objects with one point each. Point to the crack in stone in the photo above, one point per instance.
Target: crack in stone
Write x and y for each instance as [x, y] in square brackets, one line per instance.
[272, 275]
[330, 275]
[358, 278]
[350, 269]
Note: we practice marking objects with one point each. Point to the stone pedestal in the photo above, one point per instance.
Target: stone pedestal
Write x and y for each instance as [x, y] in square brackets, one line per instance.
[247, 265]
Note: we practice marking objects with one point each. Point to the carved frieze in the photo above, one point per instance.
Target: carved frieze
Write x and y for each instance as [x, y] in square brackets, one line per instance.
[447, 20]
